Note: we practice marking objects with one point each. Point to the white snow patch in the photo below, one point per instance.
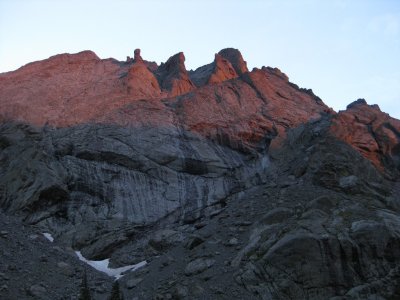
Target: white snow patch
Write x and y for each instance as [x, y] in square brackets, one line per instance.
[102, 266]
[48, 236]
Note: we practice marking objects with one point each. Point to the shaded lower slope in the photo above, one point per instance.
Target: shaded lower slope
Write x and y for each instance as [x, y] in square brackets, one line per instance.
[97, 186]
[31, 267]
[313, 219]
[324, 226]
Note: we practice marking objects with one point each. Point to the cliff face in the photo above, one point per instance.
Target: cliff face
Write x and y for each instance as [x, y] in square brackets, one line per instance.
[135, 161]
[67, 90]
[371, 132]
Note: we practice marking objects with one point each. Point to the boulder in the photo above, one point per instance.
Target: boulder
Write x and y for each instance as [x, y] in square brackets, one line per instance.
[198, 265]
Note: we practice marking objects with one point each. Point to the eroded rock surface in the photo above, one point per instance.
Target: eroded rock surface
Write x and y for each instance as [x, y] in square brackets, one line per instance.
[373, 133]
[243, 108]
[102, 178]
[229, 183]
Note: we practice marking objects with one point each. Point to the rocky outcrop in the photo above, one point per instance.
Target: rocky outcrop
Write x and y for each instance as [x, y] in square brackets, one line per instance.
[223, 70]
[62, 90]
[140, 81]
[325, 226]
[137, 57]
[173, 76]
[307, 233]
[373, 133]
[219, 71]
[114, 175]
[235, 58]
[243, 112]
[32, 267]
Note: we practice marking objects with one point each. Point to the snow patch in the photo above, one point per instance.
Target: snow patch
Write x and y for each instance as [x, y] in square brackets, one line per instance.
[48, 236]
[102, 266]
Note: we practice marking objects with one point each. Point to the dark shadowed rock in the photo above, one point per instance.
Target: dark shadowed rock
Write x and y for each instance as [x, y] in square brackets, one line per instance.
[137, 57]
[132, 283]
[165, 238]
[198, 265]
[66, 269]
[37, 291]
[193, 242]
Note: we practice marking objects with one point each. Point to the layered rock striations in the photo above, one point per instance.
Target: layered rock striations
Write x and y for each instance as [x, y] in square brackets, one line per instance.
[231, 183]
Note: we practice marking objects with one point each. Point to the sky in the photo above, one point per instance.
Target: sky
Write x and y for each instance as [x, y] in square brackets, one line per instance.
[342, 49]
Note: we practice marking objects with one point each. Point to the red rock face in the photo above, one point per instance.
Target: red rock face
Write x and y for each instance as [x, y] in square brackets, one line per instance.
[63, 90]
[223, 70]
[236, 59]
[247, 109]
[370, 131]
[173, 76]
[230, 104]
[218, 71]
[141, 82]
[222, 101]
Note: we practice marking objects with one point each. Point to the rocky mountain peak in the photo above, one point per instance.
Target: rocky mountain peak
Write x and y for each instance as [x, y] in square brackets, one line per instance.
[53, 63]
[218, 71]
[174, 64]
[360, 103]
[173, 75]
[82, 56]
[276, 72]
[137, 57]
[140, 80]
[235, 58]
[223, 70]
[372, 132]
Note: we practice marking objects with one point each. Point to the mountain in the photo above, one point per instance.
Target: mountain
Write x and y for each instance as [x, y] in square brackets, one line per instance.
[229, 183]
